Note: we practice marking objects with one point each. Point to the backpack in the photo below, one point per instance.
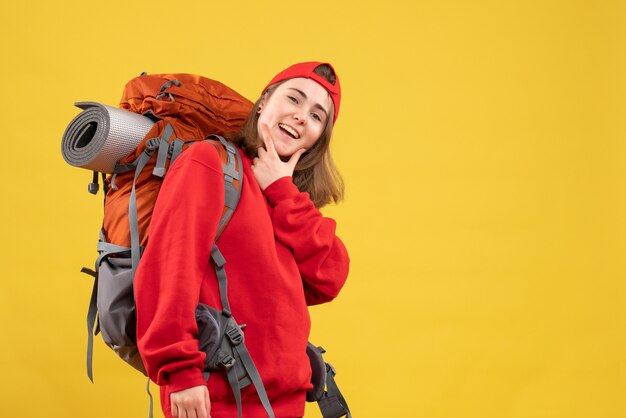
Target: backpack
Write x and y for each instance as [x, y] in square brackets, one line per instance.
[184, 109]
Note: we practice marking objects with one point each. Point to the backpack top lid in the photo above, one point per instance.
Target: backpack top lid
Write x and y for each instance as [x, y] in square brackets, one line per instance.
[195, 107]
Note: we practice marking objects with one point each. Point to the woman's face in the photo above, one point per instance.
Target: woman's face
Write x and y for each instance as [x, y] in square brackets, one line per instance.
[296, 114]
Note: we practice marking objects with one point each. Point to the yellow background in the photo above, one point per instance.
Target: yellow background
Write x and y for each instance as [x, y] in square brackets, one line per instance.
[482, 144]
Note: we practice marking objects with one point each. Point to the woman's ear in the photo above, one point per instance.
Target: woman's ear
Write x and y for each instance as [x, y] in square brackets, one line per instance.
[262, 102]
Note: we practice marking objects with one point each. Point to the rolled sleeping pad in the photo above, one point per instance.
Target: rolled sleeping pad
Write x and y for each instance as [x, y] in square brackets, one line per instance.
[101, 135]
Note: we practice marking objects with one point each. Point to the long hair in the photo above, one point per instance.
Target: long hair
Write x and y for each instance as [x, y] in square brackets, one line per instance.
[315, 172]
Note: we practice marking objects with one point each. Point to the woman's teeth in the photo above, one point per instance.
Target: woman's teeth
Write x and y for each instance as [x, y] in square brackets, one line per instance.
[289, 130]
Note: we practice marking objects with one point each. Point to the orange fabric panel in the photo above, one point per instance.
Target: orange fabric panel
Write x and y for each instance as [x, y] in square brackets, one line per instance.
[200, 107]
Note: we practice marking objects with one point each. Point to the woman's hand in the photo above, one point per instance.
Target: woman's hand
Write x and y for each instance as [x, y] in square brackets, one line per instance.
[191, 403]
[268, 167]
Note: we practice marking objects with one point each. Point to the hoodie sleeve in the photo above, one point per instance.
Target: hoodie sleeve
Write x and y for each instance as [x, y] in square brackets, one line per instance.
[320, 255]
[169, 276]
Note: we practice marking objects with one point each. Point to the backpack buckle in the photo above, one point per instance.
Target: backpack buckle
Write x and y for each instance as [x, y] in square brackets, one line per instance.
[235, 335]
[152, 144]
[93, 188]
[227, 362]
[330, 368]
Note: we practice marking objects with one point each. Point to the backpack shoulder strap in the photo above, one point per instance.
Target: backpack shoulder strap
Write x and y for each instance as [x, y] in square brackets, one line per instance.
[233, 176]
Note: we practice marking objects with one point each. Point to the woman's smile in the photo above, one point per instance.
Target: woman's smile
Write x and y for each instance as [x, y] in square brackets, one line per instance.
[289, 130]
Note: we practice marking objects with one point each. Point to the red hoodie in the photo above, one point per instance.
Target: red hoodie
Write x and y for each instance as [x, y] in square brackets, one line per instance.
[281, 255]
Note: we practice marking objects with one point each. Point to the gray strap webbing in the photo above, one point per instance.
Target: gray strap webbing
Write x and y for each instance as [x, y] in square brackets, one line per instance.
[230, 169]
[159, 167]
[119, 169]
[113, 185]
[151, 401]
[254, 375]
[135, 253]
[93, 309]
[333, 404]
[123, 168]
[231, 199]
[231, 193]
[222, 281]
[177, 148]
[110, 248]
[234, 384]
[105, 249]
[232, 196]
[91, 320]
[167, 84]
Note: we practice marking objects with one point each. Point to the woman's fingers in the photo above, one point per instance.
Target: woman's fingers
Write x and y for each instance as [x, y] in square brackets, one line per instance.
[267, 137]
[207, 404]
[191, 403]
[295, 158]
[191, 412]
[268, 140]
[268, 166]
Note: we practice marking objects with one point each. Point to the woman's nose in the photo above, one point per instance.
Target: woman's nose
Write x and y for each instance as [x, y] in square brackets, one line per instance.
[301, 119]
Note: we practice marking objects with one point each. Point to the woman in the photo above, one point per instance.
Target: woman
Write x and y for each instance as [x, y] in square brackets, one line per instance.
[281, 253]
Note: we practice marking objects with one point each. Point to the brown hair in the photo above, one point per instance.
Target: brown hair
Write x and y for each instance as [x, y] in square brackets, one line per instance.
[315, 172]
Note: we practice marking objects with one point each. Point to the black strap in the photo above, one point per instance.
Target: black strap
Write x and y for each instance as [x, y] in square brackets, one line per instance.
[333, 404]
[234, 385]
[253, 374]
[233, 171]
[151, 406]
[93, 187]
[222, 280]
[91, 319]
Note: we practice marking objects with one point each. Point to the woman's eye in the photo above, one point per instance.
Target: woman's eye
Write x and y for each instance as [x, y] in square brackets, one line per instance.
[293, 99]
[316, 117]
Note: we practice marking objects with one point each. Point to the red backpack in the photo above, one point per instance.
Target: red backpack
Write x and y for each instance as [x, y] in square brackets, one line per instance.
[194, 107]
[186, 108]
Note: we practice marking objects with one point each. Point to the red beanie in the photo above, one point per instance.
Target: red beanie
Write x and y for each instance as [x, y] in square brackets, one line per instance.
[305, 70]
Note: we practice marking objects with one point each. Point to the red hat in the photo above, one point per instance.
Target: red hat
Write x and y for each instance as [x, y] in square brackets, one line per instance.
[305, 70]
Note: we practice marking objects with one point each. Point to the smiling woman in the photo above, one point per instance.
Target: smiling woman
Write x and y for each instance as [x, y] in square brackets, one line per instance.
[315, 171]
[282, 253]
[295, 114]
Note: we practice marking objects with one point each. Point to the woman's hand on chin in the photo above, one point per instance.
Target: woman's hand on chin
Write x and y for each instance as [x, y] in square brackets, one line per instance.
[268, 167]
